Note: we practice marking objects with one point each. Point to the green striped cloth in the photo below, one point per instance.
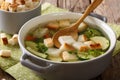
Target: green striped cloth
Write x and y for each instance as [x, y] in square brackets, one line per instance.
[19, 72]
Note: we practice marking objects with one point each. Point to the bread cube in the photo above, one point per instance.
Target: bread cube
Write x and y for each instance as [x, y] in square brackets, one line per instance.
[82, 27]
[66, 39]
[13, 7]
[5, 53]
[10, 1]
[80, 46]
[4, 6]
[93, 45]
[1, 1]
[66, 47]
[3, 38]
[13, 40]
[96, 46]
[48, 42]
[29, 4]
[53, 25]
[20, 2]
[54, 52]
[21, 8]
[64, 23]
[66, 56]
[82, 38]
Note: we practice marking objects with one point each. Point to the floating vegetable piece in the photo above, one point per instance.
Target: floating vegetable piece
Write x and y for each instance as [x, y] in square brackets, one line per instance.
[102, 40]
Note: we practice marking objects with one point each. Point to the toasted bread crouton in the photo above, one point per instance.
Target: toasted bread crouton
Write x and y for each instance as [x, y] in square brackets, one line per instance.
[13, 7]
[53, 25]
[80, 46]
[3, 38]
[29, 4]
[66, 56]
[66, 47]
[13, 40]
[82, 38]
[10, 1]
[95, 46]
[20, 2]
[64, 23]
[5, 53]
[48, 42]
[82, 27]
[88, 43]
[66, 39]
[53, 52]
[4, 6]
[21, 8]
[1, 1]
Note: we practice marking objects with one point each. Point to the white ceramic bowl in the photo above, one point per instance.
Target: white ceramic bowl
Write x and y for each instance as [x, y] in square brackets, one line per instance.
[79, 70]
[11, 22]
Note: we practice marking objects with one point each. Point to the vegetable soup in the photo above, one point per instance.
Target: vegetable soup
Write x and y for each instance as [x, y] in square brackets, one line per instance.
[90, 43]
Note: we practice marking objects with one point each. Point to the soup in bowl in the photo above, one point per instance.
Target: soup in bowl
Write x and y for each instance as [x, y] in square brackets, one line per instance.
[82, 58]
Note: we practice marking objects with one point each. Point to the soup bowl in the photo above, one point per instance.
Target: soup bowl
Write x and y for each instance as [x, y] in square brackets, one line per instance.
[11, 22]
[78, 70]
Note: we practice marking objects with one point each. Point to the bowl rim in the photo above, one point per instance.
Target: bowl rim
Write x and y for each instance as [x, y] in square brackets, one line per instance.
[75, 62]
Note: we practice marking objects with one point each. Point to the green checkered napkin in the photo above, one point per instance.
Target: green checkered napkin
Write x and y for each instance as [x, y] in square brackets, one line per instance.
[48, 8]
[14, 59]
[20, 72]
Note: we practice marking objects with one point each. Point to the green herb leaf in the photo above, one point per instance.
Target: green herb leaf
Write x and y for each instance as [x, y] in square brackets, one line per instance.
[90, 32]
[42, 48]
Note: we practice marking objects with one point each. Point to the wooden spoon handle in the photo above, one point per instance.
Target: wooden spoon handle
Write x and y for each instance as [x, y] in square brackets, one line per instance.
[89, 9]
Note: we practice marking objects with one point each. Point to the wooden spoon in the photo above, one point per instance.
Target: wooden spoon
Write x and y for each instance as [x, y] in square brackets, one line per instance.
[73, 29]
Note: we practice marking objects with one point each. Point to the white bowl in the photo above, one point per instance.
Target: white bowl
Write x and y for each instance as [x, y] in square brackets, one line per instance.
[79, 70]
[11, 22]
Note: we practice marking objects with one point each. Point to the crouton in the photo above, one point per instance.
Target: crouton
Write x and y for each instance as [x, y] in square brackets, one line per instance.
[5, 53]
[10, 1]
[82, 27]
[13, 7]
[95, 46]
[66, 47]
[4, 6]
[66, 56]
[53, 25]
[66, 39]
[64, 23]
[82, 38]
[13, 40]
[29, 4]
[21, 8]
[53, 52]
[89, 42]
[20, 2]
[48, 42]
[80, 46]
[1, 1]
[4, 39]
